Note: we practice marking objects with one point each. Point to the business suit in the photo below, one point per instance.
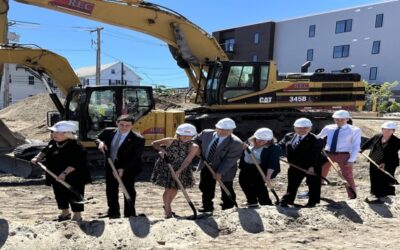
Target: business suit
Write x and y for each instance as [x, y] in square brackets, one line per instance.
[224, 162]
[129, 159]
[305, 155]
[388, 154]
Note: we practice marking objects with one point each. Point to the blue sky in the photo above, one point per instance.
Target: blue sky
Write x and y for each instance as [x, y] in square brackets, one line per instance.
[149, 57]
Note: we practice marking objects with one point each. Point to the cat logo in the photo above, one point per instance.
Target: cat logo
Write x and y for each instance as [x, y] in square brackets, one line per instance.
[265, 99]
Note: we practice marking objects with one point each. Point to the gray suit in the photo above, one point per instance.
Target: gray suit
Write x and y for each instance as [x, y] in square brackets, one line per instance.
[225, 160]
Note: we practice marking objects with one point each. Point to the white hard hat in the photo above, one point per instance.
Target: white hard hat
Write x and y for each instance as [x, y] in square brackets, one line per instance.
[389, 125]
[341, 114]
[264, 134]
[64, 126]
[186, 129]
[302, 123]
[226, 123]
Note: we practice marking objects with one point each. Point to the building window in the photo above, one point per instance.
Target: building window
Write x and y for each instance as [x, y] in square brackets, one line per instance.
[373, 71]
[112, 71]
[376, 47]
[229, 45]
[379, 21]
[311, 31]
[255, 58]
[341, 51]
[31, 80]
[256, 38]
[344, 26]
[310, 54]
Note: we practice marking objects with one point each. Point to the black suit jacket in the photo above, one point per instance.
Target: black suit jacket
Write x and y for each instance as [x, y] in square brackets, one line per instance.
[306, 154]
[129, 153]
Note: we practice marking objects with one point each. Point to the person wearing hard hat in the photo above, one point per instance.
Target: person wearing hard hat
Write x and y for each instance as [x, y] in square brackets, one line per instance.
[179, 152]
[125, 148]
[303, 150]
[267, 153]
[384, 150]
[342, 146]
[221, 149]
[65, 157]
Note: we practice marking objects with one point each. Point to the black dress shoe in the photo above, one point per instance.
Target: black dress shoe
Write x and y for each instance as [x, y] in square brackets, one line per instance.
[283, 204]
[111, 216]
[310, 204]
[206, 210]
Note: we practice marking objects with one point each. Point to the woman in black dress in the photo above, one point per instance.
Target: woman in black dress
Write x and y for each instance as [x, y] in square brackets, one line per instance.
[384, 151]
[66, 158]
[267, 154]
[179, 152]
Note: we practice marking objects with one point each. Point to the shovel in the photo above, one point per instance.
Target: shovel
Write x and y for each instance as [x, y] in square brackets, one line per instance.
[336, 167]
[267, 184]
[305, 171]
[173, 173]
[65, 184]
[124, 191]
[383, 171]
[222, 185]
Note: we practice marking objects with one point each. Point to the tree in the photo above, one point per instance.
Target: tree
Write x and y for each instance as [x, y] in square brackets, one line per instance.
[380, 94]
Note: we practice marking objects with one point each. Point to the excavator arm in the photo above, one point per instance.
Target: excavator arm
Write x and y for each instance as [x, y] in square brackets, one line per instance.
[43, 61]
[3, 29]
[190, 45]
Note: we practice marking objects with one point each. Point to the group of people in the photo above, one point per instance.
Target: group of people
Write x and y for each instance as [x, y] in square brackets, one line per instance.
[221, 153]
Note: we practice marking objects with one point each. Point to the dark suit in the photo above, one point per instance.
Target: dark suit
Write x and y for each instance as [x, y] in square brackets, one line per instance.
[225, 160]
[382, 153]
[128, 158]
[305, 155]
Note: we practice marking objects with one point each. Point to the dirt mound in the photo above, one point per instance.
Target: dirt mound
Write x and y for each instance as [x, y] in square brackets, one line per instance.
[28, 116]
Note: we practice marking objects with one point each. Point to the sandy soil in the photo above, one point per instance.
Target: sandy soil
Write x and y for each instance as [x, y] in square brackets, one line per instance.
[28, 207]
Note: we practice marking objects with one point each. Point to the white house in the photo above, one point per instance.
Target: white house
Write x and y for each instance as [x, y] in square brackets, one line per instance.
[22, 84]
[365, 39]
[110, 74]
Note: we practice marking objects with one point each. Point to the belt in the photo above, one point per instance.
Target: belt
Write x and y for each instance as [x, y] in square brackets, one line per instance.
[338, 153]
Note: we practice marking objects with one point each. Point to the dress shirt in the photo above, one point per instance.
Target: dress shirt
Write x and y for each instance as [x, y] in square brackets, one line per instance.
[349, 139]
[123, 136]
[215, 136]
[256, 153]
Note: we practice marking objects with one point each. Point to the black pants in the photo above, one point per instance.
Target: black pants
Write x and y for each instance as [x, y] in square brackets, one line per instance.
[253, 186]
[65, 198]
[295, 177]
[207, 187]
[112, 193]
[380, 183]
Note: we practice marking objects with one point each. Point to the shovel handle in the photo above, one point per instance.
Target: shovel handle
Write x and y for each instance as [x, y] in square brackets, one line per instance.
[267, 184]
[376, 165]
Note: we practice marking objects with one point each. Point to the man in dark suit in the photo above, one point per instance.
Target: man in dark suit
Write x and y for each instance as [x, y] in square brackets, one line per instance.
[222, 150]
[125, 148]
[302, 149]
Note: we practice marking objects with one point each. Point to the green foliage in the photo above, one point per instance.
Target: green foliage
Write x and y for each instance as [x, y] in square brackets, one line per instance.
[395, 107]
[162, 90]
[381, 93]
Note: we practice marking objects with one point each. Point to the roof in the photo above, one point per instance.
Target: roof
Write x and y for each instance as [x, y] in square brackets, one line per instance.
[91, 70]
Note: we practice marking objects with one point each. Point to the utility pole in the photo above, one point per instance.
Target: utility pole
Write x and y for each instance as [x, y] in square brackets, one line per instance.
[122, 73]
[98, 50]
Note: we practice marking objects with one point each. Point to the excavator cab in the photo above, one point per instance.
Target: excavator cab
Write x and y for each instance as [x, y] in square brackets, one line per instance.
[99, 107]
[230, 80]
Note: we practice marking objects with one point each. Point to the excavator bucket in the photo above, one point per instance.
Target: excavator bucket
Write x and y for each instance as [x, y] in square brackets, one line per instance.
[8, 141]
[10, 164]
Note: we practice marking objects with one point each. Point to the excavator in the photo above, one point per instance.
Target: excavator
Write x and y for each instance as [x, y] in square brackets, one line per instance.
[254, 94]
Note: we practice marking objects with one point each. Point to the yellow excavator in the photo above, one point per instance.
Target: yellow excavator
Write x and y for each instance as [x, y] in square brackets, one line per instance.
[254, 94]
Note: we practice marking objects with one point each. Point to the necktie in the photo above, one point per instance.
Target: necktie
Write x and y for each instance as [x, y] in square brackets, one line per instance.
[297, 142]
[334, 140]
[115, 146]
[211, 153]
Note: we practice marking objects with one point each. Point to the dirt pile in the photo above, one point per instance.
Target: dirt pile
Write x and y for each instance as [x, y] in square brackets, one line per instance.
[28, 116]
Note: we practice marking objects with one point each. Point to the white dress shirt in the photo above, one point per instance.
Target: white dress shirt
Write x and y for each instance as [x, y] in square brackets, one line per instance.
[349, 139]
